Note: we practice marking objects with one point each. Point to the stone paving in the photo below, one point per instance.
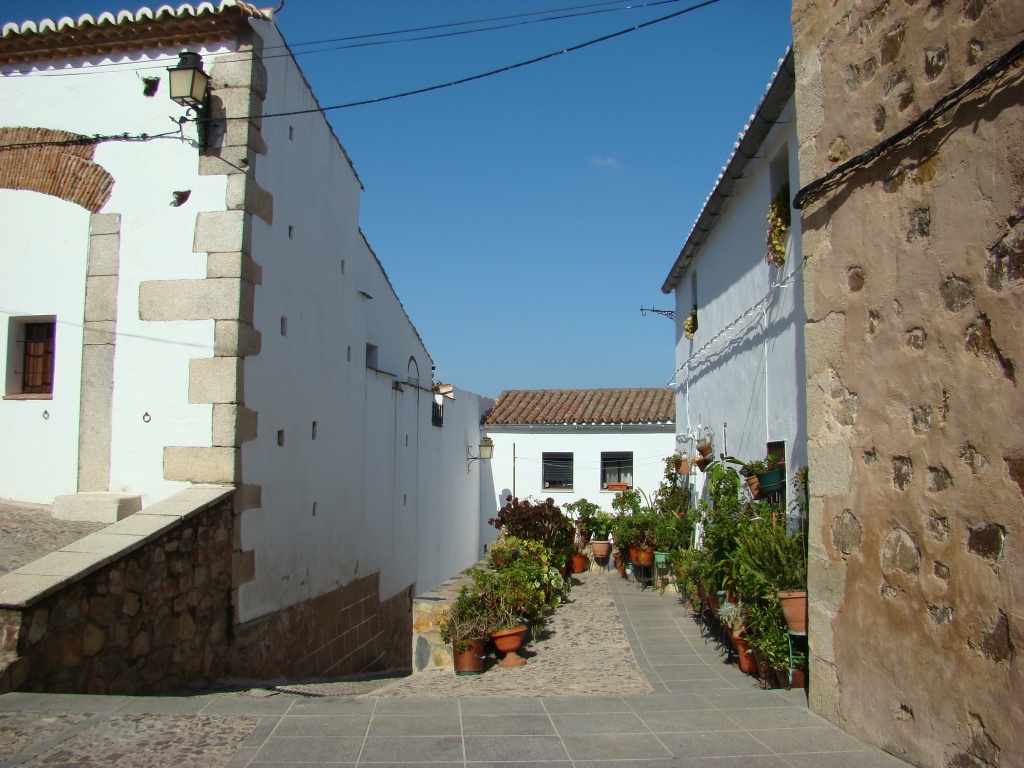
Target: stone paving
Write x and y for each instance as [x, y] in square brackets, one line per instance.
[669, 698]
[29, 531]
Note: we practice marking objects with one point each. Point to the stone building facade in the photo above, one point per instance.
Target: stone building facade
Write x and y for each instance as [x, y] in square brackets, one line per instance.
[914, 290]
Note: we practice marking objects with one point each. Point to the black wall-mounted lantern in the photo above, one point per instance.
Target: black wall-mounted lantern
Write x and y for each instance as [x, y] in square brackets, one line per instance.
[190, 87]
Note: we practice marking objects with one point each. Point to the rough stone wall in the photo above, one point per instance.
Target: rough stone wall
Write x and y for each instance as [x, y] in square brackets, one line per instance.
[914, 291]
[344, 632]
[153, 620]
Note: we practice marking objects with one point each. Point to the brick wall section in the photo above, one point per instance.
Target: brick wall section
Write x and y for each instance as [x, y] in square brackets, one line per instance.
[153, 620]
[344, 632]
[67, 172]
[914, 290]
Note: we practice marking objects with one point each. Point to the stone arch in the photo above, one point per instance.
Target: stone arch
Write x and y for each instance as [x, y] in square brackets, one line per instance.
[66, 171]
[413, 372]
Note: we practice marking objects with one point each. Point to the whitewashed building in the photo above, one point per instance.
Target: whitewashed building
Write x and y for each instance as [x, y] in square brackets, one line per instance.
[741, 375]
[569, 444]
[174, 315]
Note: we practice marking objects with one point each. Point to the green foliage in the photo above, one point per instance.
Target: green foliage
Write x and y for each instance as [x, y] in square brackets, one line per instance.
[467, 620]
[582, 514]
[766, 629]
[522, 584]
[539, 521]
[601, 526]
[768, 559]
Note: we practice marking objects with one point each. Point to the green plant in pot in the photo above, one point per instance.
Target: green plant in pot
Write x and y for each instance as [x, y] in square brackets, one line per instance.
[538, 521]
[600, 532]
[466, 629]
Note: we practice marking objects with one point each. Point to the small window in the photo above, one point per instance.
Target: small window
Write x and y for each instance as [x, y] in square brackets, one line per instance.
[437, 414]
[371, 356]
[31, 356]
[557, 471]
[616, 467]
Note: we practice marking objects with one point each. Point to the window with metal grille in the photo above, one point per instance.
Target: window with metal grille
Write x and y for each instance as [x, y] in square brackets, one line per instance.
[557, 471]
[38, 358]
[616, 467]
[437, 414]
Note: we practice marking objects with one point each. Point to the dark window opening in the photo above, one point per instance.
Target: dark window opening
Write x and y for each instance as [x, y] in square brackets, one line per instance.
[437, 414]
[557, 471]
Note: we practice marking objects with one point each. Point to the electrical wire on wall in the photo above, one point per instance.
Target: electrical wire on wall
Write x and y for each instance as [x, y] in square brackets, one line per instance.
[730, 334]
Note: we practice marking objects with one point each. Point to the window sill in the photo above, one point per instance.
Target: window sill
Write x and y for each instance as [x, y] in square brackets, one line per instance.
[30, 396]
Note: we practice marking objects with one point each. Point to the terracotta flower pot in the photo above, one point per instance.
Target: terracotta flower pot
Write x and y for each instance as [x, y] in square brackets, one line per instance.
[754, 486]
[579, 563]
[644, 556]
[470, 661]
[704, 448]
[703, 462]
[683, 466]
[600, 548]
[508, 641]
[618, 486]
[747, 664]
[794, 609]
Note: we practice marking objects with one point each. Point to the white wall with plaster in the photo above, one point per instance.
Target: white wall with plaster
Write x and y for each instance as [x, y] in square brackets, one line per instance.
[151, 360]
[518, 455]
[748, 385]
[377, 489]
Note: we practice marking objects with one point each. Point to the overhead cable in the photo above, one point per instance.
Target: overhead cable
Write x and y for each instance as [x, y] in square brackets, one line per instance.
[491, 73]
[159, 62]
[925, 121]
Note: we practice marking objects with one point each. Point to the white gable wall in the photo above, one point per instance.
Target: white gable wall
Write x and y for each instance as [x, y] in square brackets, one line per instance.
[42, 273]
[151, 359]
[382, 479]
[750, 388]
[650, 447]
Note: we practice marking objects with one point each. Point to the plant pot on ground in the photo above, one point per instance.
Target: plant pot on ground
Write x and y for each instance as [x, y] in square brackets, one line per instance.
[466, 628]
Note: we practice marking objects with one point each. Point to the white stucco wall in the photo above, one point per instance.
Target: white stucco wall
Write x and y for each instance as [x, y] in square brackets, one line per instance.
[748, 387]
[43, 250]
[391, 493]
[518, 455]
[151, 361]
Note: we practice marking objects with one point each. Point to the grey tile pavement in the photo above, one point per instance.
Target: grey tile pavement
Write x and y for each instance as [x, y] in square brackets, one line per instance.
[703, 713]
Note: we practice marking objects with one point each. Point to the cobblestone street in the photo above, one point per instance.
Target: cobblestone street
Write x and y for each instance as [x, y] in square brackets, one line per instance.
[27, 532]
[622, 677]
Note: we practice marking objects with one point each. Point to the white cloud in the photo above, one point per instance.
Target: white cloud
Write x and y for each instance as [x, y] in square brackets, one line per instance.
[603, 161]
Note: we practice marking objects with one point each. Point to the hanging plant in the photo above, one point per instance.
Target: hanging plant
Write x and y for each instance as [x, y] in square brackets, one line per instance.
[778, 227]
[690, 324]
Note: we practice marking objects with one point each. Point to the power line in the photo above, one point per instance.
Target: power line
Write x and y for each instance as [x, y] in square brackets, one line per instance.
[491, 73]
[925, 121]
[94, 139]
[604, 38]
[160, 61]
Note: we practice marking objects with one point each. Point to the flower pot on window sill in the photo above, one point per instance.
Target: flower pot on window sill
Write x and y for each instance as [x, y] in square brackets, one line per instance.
[618, 486]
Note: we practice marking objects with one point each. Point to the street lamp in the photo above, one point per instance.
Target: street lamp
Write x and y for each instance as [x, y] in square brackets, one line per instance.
[190, 87]
[486, 452]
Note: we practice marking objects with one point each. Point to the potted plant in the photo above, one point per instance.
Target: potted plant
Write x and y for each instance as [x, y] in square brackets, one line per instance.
[581, 512]
[734, 617]
[600, 531]
[466, 629]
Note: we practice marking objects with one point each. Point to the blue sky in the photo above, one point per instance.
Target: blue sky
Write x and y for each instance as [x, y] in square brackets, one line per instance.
[524, 218]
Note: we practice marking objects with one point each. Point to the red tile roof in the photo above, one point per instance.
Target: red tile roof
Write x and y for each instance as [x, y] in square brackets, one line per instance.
[583, 406]
[165, 27]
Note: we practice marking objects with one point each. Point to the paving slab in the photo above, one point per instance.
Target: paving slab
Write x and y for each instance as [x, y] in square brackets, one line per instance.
[625, 678]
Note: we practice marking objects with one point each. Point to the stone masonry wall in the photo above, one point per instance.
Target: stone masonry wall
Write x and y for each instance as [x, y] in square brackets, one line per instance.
[153, 620]
[914, 296]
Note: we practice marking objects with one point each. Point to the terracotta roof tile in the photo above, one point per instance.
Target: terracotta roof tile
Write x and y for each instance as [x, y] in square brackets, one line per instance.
[146, 28]
[583, 406]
